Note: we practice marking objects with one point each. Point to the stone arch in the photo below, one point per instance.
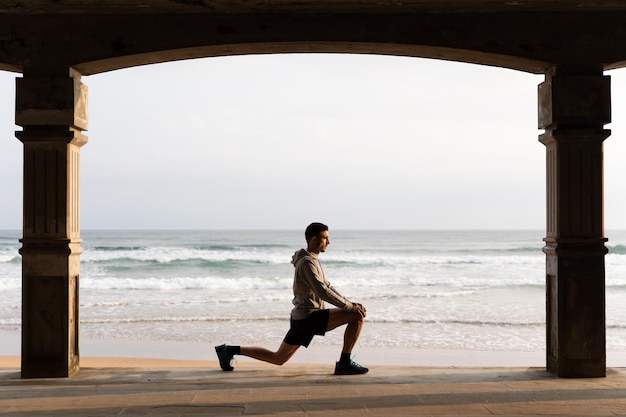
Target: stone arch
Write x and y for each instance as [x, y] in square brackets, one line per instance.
[53, 44]
[416, 51]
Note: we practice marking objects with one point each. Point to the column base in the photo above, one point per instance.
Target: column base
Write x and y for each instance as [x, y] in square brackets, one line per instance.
[50, 322]
[575, 307]
[578, 368]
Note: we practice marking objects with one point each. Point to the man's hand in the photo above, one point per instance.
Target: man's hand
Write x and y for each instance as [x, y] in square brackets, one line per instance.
[359, 308]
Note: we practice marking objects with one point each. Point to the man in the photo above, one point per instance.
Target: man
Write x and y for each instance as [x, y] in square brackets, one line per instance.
[308, 316]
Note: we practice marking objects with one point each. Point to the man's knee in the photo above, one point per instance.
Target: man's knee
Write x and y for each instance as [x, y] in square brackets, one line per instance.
[274, 359]
[357, 318]
[284, 353]
[280, 361]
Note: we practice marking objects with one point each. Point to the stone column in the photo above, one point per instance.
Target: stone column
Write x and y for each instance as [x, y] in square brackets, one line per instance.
[574, 106]
[51, 107]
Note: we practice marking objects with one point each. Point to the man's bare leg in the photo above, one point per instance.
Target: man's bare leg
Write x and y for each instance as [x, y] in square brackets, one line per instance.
[354, 320]
[282, 355]
[338, 317]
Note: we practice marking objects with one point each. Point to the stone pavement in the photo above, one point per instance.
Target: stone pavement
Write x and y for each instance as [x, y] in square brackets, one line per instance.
[311, 390]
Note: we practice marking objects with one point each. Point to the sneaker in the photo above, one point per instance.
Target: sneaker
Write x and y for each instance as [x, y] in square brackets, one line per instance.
[350, 368]
[224, 357]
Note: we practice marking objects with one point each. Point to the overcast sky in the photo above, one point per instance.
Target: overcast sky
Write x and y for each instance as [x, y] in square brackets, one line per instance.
[278, 141]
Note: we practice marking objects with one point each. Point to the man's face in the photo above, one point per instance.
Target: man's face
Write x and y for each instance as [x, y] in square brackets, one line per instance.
[321, 242]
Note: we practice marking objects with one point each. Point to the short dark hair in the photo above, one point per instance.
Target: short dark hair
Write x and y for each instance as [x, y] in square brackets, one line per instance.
[314, 229]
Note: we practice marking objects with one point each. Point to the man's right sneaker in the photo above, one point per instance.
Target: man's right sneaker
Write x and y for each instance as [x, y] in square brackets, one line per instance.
[224, 357]
[350, 368]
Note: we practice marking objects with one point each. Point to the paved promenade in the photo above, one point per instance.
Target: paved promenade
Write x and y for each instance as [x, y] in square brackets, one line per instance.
[170, 388]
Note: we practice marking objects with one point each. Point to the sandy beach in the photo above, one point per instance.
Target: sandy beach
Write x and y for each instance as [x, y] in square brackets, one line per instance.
[199, 352]
[203, 353]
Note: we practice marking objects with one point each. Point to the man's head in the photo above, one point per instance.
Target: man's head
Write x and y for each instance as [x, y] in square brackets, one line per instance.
[316, 235]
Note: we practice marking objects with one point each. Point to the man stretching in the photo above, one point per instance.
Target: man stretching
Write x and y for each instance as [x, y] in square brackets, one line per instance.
[309, 317]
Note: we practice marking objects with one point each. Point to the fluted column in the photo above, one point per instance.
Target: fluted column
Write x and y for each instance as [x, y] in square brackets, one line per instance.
[574, 106]
[51, 106]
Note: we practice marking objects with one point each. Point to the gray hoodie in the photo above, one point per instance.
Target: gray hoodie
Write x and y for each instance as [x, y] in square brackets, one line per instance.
[310, 287]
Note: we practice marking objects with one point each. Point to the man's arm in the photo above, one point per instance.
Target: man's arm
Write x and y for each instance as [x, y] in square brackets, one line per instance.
[323, 289]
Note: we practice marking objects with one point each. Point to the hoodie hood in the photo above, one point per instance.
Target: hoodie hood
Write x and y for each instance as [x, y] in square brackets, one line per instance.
[301, 254]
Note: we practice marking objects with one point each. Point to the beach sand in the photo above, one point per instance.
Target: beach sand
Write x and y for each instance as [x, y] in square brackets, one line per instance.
[203, 352]
[316, 354]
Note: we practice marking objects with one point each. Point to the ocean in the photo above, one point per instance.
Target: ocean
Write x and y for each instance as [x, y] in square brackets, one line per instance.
[445, 289]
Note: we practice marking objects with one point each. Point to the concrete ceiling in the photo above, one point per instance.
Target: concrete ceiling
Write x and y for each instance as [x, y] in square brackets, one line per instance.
[343, 6]
[94, 36]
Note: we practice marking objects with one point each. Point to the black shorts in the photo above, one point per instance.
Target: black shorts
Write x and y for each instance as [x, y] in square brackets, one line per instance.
[302, 331]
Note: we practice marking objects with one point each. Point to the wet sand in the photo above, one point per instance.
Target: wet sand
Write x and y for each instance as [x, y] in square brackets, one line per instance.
[315, 354]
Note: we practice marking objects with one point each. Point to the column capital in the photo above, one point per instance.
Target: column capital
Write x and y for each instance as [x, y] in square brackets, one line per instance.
[51, 101]
[574, 100]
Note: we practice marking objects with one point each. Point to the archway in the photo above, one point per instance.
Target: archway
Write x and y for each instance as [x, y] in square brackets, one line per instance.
[492, 146]
[574, 107]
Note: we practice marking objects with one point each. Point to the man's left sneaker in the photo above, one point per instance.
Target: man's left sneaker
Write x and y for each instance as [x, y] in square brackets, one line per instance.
[350, 368]
[224, 357]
